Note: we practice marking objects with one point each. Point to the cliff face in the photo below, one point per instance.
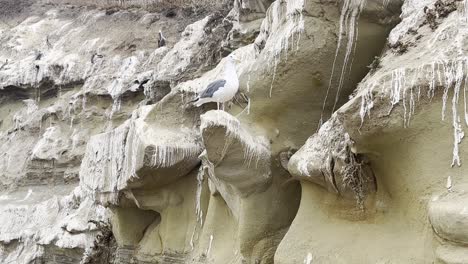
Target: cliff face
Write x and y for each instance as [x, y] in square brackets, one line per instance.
[326, 155]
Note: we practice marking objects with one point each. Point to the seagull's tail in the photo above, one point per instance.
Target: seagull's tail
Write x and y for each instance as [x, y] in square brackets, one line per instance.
[199, 101]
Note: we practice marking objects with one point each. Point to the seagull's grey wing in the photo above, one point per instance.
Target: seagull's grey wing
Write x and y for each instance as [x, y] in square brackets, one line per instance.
[212, 88]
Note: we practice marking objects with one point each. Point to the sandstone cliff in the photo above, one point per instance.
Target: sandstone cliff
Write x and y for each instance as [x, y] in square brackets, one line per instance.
[343, 145]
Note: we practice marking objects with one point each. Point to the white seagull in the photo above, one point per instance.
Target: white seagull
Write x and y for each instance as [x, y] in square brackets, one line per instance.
[221, 90]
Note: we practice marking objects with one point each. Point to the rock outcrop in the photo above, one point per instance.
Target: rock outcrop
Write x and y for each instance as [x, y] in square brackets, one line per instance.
[326, 154]
[409, 105]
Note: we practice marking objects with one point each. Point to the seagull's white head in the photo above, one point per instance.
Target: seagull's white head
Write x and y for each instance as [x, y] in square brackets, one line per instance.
[233, 59]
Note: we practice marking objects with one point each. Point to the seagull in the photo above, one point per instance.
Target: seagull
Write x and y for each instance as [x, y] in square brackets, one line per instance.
[161, 40]
[221, 90]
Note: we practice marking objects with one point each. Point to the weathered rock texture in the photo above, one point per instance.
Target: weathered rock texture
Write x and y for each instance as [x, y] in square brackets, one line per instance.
[343, 145]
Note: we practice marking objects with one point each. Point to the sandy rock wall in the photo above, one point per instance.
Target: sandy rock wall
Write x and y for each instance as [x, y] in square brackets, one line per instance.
[409, 105]
[324, 156]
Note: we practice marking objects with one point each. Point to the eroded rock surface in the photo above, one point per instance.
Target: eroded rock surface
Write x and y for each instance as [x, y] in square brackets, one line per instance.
[326, 155]
[409, 105]
[328, 159]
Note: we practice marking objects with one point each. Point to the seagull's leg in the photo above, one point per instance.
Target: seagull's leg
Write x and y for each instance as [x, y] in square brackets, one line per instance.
[217, 103]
